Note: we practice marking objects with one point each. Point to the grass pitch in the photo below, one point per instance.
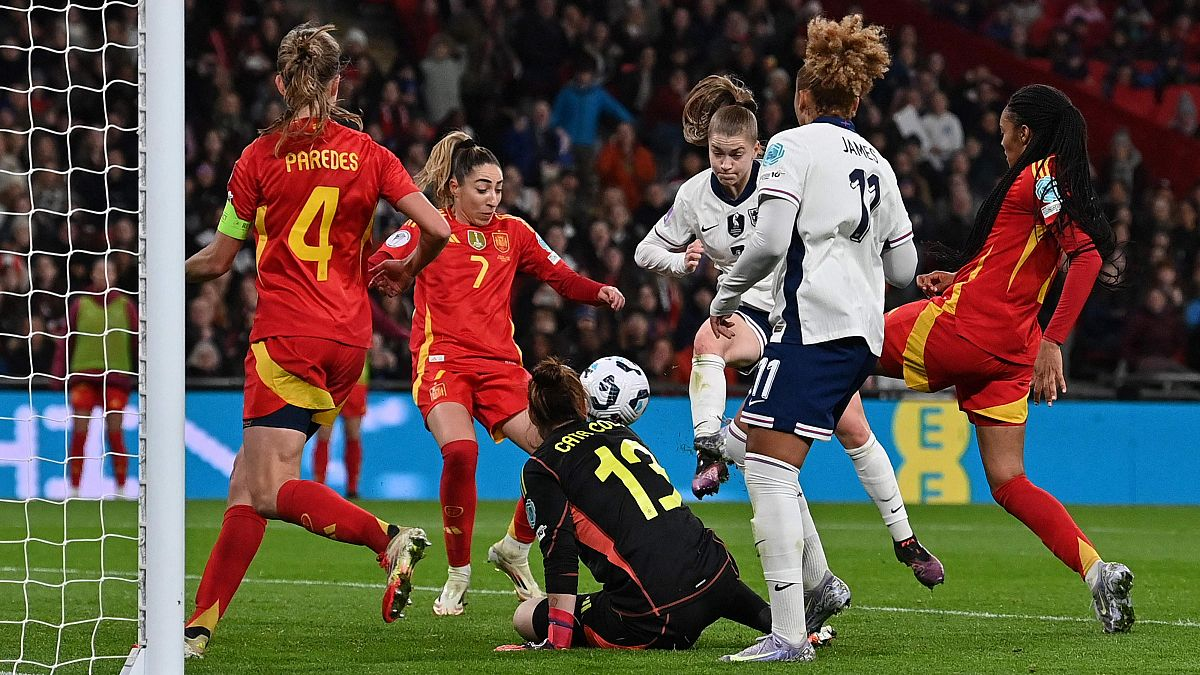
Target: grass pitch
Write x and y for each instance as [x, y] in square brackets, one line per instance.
[310, 605]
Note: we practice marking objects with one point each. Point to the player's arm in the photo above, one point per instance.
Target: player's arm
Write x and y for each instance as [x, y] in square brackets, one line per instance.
[666, 249]
[435, 231]
[899, 251]
[550, 517]
[1084, 266]
[216, 258]
[767, 246]
[538, 259]
[900, 263]
[213, 260]
[397, 187]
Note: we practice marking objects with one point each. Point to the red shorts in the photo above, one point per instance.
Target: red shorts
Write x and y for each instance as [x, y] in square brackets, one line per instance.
[86, 395]
[921, 344]
[493, 392]
[356, 405]
[307, 372]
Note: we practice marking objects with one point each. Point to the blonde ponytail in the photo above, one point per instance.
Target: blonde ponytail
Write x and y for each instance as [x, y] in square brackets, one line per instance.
[309, 58]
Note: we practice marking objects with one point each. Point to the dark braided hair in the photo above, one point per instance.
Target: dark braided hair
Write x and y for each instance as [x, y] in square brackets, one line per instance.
[1057, 128]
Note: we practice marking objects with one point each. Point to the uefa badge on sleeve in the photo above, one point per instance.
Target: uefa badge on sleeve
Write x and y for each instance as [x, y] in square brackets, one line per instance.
[476, 239]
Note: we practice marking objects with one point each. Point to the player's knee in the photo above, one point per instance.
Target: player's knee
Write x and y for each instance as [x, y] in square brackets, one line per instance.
[707, 343]
[855, 440]
[523, 619]
[263, 503]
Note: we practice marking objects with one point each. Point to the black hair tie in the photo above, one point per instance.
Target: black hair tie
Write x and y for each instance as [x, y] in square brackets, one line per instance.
[465, 145]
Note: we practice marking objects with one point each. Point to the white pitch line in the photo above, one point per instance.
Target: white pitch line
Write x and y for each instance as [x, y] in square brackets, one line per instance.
[1178, 623]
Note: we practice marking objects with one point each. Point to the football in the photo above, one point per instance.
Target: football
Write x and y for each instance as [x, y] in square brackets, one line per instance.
[617, 389]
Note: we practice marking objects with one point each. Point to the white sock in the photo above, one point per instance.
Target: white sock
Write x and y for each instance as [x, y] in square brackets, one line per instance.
[778, 524]
[878, 478]
[735, 445]
[510, 543]
[460, 573]
[815, 564]
[1092, 576]
[707, 393]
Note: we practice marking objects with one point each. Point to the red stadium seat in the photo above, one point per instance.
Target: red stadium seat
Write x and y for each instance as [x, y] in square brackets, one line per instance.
[1138, 101]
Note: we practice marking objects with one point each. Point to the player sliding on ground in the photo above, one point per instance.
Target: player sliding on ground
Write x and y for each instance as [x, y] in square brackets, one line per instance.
[979, 331]
[831, 214]
[465, 364]
[308, 186]
[595, 493]
[715, 213]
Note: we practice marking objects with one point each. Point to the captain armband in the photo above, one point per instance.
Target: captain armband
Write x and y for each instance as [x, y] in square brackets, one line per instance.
[231, 225]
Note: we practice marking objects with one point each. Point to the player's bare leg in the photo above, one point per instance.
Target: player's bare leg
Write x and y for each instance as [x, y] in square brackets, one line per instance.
[878, 478]
[707, 394]
[321, 452]
[510, 555]
[265, 484]
[454, 430]
[1002, 449]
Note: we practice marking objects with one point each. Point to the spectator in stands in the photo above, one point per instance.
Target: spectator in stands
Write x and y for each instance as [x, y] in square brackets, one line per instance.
[627, 164]
[1154, 337]
[442, 72]
[578, 109]
[942, 131]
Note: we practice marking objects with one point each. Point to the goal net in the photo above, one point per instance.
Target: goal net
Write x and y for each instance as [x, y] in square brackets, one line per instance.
[73, 562]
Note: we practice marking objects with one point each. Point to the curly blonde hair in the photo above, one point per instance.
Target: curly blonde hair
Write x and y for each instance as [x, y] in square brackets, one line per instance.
[719, 104]
[842, 62]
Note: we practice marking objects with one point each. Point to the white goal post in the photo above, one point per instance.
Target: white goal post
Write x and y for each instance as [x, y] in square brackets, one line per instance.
[161, 507]
[91, 301]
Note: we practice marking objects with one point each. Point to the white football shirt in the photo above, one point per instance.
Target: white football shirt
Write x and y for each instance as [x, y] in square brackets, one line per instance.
[831, 283]
[703, 210]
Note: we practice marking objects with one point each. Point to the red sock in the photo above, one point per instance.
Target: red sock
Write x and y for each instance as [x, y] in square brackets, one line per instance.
[322, 511]
[459, 459]
[1049, 520]
[241, 534]
[120, 462]
[320, 459]
[353, 461]
[75, 463]
[520, 528]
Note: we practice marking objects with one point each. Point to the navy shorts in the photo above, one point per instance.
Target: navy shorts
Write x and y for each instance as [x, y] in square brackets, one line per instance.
[804, 389]
[759, 322]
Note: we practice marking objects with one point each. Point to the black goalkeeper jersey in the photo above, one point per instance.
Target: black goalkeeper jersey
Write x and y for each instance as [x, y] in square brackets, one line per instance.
[594, 492]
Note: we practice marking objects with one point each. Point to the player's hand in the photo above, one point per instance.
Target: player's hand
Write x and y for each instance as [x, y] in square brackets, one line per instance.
[391, 277]
[934, 283]
[1048, 378]
[722, 326]
[612, 297]
[691, 257]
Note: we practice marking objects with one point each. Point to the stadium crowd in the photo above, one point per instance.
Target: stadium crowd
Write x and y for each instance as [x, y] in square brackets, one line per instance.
[582, 103]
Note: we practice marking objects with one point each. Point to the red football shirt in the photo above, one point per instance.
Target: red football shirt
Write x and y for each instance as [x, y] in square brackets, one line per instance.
[311, 209]
[464, 297]
[996, 297]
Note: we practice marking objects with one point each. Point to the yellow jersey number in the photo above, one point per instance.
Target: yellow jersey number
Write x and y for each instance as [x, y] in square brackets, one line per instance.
[325, 200]
[611, 466]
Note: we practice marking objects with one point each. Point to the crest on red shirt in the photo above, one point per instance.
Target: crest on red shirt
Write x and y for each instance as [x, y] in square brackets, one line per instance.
[500, 239]
[476, 239]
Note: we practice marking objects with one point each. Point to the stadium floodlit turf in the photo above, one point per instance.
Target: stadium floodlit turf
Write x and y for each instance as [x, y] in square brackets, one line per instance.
[312, 606]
